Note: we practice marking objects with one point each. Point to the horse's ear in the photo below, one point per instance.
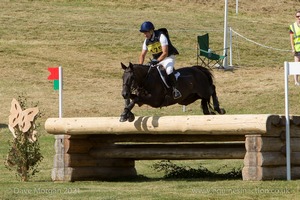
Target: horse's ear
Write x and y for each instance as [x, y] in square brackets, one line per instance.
[130, 65]
[123, 66]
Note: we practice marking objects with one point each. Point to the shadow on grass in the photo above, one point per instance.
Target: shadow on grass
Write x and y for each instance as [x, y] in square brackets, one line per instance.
[142, 178]
[174, 172]
[3, 126]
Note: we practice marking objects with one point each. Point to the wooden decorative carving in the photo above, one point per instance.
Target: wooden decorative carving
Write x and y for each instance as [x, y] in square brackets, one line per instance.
[22, 120]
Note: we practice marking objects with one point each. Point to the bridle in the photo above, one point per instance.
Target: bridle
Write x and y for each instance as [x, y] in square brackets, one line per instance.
[130, 84]
[134, 87]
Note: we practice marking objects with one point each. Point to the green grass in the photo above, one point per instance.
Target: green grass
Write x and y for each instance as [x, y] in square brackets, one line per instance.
[90, 38]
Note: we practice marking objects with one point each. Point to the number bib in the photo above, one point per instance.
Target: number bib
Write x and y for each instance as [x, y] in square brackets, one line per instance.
[155, 47]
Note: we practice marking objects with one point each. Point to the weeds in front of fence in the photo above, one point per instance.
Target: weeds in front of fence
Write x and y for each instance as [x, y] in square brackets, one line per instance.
[172, 170]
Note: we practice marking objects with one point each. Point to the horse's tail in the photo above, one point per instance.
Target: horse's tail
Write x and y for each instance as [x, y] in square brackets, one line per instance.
[207, 72]
[210, 76]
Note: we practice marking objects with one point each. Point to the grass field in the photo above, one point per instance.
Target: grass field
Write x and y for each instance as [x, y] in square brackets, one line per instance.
[90, 38]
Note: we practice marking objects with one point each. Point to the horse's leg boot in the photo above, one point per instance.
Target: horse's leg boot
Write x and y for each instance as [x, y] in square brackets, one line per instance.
[173, 82]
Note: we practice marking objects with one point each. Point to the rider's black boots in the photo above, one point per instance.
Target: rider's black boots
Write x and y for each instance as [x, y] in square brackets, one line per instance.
[173, 82]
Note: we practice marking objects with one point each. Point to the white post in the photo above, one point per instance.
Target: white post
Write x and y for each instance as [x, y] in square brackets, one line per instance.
[230, 45]
[290, 68]
[287, 125]
[225, 34]
[236, 7]
[60, 77]
[58, 173]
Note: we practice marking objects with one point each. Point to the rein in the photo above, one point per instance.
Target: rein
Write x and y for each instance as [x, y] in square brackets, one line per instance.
[140, 87]
[161, 76]
[148, 72]
[146, 77]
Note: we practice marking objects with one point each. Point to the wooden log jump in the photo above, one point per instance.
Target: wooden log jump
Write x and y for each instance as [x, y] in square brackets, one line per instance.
[104, 148]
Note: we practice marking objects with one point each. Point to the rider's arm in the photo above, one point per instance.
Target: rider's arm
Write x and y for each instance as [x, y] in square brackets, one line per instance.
[142, 56]
[143, 53]
[164, 46]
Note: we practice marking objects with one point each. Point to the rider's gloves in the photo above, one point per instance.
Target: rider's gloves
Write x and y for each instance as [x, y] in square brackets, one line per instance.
[154, 62]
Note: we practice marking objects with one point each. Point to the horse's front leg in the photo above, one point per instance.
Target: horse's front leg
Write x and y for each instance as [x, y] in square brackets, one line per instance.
[127, 114]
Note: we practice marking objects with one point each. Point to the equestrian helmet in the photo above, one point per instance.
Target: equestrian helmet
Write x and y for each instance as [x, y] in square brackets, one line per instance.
[146, 26]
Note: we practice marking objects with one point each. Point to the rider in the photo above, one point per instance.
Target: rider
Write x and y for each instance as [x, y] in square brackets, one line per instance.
[162, 50]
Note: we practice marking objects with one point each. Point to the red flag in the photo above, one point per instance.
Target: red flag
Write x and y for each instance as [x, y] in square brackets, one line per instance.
[54, 73]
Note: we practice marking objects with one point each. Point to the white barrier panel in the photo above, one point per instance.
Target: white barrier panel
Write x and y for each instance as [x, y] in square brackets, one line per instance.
[290, 68]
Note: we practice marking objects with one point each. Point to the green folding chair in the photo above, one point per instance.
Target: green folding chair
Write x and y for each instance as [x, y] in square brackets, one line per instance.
[205, 55]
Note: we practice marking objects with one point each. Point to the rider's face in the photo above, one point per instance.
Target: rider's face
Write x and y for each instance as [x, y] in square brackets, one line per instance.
[148, 34]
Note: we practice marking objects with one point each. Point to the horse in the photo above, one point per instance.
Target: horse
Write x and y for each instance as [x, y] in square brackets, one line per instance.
[145, 84]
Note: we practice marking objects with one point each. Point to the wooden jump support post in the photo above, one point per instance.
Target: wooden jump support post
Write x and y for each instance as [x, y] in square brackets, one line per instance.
[104, 148]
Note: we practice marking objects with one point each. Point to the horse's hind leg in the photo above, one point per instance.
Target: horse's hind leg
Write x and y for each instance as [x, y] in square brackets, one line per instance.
[216, 101]
[204, 106]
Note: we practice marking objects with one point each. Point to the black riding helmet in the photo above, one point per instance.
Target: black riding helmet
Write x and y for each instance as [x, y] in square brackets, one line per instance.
[146, 26]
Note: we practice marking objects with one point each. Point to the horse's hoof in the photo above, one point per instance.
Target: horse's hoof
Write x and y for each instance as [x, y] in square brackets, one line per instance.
[222, 111]
[123, 118]
[131, 117]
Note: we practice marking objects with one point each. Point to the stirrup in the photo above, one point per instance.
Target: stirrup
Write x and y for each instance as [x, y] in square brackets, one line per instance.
[176, 93]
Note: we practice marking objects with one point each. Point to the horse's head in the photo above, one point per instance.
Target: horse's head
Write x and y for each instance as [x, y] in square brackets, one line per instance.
[128, 78]
[133, 78]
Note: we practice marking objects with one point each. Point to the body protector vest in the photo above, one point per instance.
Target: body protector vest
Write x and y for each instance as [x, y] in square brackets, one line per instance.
[154, 45]
[296, 30]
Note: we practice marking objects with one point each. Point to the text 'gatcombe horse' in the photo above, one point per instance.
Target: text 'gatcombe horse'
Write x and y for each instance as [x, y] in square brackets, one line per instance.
[142, 84]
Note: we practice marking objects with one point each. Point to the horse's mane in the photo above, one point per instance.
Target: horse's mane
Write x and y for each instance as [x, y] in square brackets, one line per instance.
[140, 65]
[138, 68]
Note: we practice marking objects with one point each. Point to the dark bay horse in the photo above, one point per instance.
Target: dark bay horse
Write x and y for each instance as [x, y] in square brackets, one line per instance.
[142, 84]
